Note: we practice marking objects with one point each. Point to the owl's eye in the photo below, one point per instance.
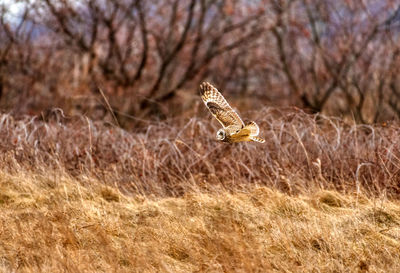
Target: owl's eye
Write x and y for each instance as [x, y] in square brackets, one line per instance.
[237, 131]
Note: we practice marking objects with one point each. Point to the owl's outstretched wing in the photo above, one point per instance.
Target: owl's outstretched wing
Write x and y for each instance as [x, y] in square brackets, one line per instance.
[219, 107]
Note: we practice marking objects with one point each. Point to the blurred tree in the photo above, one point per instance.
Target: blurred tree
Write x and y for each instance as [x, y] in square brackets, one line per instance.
[336, 57]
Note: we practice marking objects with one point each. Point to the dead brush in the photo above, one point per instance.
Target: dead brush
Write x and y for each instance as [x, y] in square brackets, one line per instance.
[302, 153]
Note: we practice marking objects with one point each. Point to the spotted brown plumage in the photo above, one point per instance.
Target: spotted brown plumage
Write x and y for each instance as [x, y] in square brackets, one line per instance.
[234, 129]
[219, 107]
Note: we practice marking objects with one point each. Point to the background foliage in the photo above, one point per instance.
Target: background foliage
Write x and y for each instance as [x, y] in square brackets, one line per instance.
[148, 57]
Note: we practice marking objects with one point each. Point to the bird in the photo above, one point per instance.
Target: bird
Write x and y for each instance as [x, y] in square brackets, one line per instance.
[233, 128]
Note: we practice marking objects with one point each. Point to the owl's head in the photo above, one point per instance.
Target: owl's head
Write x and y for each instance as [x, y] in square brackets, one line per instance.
[221, 134]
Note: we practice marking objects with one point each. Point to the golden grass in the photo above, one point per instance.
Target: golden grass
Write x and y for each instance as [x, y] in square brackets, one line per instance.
[56, 223]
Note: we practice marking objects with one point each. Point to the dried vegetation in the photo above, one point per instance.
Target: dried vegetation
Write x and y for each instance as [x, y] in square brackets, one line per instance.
[62, 225]
[303, 152]
[84, 196]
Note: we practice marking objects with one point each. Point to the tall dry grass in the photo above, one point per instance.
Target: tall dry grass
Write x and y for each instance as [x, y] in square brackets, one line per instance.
[84, 196]
[302, 153]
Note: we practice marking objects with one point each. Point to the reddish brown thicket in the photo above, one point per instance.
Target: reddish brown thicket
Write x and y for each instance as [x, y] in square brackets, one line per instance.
[148, 57]
[302, 153]
[139, 52]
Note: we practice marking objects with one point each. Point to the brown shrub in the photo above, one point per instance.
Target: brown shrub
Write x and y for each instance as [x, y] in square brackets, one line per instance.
[302, 152]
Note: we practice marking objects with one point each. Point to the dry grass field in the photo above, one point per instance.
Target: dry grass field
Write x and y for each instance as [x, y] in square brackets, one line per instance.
[61, 225]
[320, 195]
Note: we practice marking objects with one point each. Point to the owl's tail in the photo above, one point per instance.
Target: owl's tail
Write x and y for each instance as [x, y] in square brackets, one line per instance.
[257, 139]
[254, 131]
[253, 128]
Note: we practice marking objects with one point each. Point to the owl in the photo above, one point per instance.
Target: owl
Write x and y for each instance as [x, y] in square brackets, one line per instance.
[234, 129]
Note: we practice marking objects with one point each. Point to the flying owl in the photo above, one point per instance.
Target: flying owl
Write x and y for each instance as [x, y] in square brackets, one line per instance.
[234, 129]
